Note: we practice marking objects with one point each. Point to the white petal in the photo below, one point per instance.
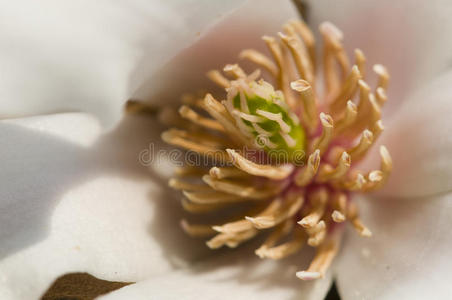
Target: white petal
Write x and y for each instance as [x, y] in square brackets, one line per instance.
[76, 199]
[410, 37]
[220, 46]
[419, 138]
[241, 275]
[408, 255]
[91, 55]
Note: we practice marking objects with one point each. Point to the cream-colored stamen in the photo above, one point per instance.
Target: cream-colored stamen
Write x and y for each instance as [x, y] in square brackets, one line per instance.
[355, 184]
[269, 171]
[318, 199]
[285, 249]
[278, 232]
[283, 78]
[321, 143]
[202, 138]
[244, 224]
[231, 240]
[352, 215]
[375, 112]
[288, 210]
[369, 114]
[241, 237]
[321, 262]
[329, 173]
[333, 37]
[381, 96]
[219, 112]
[373, 179]
[307, 173]
[193, 100]
[227, 172]
[171, 137]
[308, 101]
[377, 129]
[248, 117]
[337, 216]
[358, 152]
[317, 234]
[299, 54]
[234, 227]
[363, 105]
[242, 189]
[386, 168]
[330, 35]
[347, 120]
[340, 207]
[196, 230]
[213, 197]
[260, 60]
[218, 78]
[383, 76]
[277, 117]
[360, 61]
[234, 71]
[191, 115]
[347, 91]
[308, 38]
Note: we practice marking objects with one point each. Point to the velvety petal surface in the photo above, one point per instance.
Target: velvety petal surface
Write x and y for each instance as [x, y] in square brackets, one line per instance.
[242, 29]
[236, 275]
[408, 256]
[411, 38]
[92, 55]
[76, 199]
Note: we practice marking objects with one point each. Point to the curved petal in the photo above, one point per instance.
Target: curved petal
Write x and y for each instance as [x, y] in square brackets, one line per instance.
[408, 256]
[240, 275]
[220, 46]
[419, 138]
[410, 37]
[75, 199]
[91, 56]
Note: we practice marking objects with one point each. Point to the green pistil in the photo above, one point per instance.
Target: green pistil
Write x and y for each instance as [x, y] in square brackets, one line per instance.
[273, 103]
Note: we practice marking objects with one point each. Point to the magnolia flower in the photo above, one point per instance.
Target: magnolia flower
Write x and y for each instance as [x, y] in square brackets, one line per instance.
[263, 134]
[75, 199]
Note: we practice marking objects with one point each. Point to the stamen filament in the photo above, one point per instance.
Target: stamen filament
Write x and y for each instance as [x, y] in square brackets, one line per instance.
[307, 173]
[269, 171]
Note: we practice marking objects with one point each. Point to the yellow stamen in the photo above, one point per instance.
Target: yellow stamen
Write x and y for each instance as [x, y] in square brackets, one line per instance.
[318, 200]
[245, 190]
[191, 115]
[322, 142]
[308, 172]
[260, 60]
[321, 262]
[196, 230]
[273, 194]
[308, 101]
[269, 171]
[218, 78]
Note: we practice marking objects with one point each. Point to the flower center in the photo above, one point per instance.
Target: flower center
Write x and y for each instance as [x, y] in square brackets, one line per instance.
[282, 161]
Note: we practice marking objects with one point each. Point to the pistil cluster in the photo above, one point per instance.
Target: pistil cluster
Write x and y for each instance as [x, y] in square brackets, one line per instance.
[283, 151]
